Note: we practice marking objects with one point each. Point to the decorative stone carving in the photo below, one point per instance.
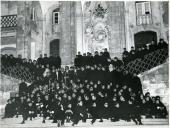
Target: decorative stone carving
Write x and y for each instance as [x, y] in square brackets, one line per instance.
[100, 11]
[96, 29]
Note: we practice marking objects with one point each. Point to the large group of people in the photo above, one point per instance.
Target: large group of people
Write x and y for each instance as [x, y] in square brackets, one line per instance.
[104, 59]
[32, 65]
[83, 99]
[95, 93]
[94, 87]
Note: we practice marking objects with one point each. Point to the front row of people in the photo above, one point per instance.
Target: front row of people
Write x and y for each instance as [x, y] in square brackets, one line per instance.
[82, 101]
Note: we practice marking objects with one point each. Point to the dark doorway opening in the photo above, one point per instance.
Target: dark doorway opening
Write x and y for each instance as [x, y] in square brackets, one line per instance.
[144, 37]
[54, 47]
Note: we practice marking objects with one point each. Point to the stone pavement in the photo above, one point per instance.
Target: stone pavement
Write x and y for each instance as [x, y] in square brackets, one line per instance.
[37, 123]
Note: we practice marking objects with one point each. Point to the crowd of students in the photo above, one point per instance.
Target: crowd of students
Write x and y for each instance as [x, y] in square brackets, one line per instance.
[102, 59]
[94, 88]
[73, 98]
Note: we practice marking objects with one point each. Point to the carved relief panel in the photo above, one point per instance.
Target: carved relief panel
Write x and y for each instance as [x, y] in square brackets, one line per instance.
[96, 30]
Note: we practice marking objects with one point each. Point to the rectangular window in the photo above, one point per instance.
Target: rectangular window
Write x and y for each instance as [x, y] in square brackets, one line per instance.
[33, 14]
[55, 17]
[143, 13]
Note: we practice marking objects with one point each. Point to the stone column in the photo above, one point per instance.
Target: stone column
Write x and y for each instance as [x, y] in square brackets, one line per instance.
[117, 28]
[65, 33]
[73, 30]
[79, 26]
[127, 26]
[43, 35]
[23, 29]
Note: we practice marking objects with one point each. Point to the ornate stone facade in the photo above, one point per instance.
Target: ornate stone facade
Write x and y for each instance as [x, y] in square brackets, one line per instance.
[96, 30]
[93, 26]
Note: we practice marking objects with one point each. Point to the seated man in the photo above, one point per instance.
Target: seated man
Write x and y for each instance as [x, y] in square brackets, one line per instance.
[153, 46]
[125, 52]
[160, 109]
[162, 44]
[106, 54]
[9, 110]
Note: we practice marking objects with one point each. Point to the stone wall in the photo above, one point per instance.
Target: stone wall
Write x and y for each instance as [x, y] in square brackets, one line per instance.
[107, 31]
[8, 85]
[67, 32]
[29, 30]
[64, 31]
[156, 81]
[78, 27]
[23, 28]
[157, 25]
[8, 35]
[8, 45]
[119, 26]
[36, 30]
[165, 16]
[8, 8]
[117, 23]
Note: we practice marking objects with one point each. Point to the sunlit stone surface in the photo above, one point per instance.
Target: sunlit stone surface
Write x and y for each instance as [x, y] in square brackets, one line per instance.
[156, 82]
[37, 122]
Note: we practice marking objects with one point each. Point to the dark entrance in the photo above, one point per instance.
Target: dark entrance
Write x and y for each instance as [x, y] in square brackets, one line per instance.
[54, 47]
[144, 37]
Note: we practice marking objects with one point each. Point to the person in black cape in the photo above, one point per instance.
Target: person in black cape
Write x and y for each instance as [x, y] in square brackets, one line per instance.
[80, 113]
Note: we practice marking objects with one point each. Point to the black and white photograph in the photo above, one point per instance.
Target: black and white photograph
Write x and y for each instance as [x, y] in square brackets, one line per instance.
[84, 64]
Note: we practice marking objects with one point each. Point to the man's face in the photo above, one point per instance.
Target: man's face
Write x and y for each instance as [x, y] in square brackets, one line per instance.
[114, 99]
[94, 105]
[157, 101]
[106, 105]
[81, 103]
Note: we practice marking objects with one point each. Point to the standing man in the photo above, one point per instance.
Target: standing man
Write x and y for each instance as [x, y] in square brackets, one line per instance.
[79, 113]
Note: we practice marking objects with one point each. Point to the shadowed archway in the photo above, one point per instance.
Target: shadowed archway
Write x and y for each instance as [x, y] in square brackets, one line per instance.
[144, 37]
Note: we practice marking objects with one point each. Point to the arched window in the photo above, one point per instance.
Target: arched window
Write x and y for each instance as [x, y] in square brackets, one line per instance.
[56, 16]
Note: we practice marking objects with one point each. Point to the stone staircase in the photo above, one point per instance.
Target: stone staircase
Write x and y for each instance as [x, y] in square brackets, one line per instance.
[138, 66]
[8, 87]
[149, 61]
[18, 72]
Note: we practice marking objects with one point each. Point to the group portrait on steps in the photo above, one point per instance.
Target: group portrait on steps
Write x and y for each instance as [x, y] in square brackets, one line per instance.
[93, 88]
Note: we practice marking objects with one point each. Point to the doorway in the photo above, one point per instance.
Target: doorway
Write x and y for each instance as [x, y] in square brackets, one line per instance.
[144, 37]
[54, 47]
